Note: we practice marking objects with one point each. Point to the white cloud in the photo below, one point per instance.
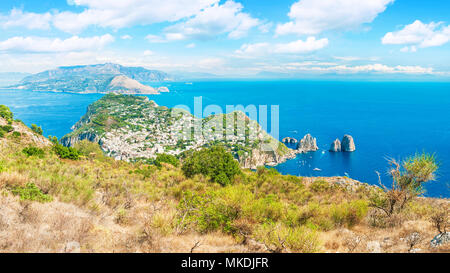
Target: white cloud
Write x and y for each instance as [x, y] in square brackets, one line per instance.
[148, 53]
[381, 68]
[213, 21]
[419, 35]
[297, 47]
[48, 45]
[211, 63]
[155, 39]
[254, 49]
[119, 14]
[191, 45]
[264, 28]
[29, 20]
[126, 37]
[313, 17]
[311, 44]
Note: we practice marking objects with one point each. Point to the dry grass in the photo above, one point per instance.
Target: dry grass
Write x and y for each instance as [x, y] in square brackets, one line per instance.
[102, 205]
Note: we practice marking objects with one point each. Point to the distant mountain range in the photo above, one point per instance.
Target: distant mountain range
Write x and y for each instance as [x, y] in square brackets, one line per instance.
[99, 78]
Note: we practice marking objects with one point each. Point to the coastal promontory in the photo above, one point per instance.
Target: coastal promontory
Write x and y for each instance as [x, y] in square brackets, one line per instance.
[131, 127]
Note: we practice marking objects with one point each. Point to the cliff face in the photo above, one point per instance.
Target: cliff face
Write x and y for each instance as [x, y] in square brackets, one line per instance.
[130, 127]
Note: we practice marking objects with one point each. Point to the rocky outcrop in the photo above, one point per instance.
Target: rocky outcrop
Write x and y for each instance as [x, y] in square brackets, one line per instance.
[440, 239]
[124, 85]
[307, 144]
[290, 140]
[335, 146]
[262, 158]
[69, 140]
[348, 145]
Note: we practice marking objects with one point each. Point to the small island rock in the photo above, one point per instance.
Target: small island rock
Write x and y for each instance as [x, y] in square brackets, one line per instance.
[348, 144]
[335, 146]
[307, 144]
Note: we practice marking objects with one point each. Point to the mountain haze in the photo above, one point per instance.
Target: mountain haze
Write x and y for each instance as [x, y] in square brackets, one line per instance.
[99, 78]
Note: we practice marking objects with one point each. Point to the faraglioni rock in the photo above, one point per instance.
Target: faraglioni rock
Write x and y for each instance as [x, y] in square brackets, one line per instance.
[348, 145]
[335, 146]
[307, 144]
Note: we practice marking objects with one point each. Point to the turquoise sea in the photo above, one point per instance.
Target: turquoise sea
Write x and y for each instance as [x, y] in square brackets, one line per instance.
[386, 119]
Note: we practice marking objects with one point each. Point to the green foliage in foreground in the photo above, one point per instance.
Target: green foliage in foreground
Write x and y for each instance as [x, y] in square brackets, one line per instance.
[6, 114]
[408, 177]
[5, 129]
[32, 193]
[33, 151]
[66, 152]
[215, 163]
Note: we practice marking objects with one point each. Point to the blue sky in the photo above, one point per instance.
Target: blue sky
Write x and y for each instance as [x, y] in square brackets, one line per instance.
[234, 37]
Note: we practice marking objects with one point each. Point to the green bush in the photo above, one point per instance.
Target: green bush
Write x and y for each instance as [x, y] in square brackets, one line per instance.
[2, 133]
[165, 158]
[88, 149]
[31, 192]
[349, 214]
[215, 163]
[2, 166]
[66, 152]
[33, 151]
[16, 134]
[6, 114]
[36, 129]
[206, 212]
[321, 186]
[7, 128]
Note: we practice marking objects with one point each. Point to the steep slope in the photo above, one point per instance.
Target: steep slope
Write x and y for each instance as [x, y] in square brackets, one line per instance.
[130, 127]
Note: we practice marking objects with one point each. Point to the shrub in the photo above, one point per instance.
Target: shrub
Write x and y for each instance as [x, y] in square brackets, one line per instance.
[88, 149]
[2, 133]
[6, 113]
[321, 186]
[2, 166]
[206, 212]
[349, 214]
[215, 163]
[36, 129]
[16, 134]
[53, 139]
[408, 177]
[33, 151]
[66, 152]
[165, 158]
[31, 192]
[278, 238]
[7, 128]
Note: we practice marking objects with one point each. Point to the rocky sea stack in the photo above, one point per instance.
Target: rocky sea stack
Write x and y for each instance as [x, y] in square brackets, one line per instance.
[307, 144]
[348, 145]
[335, 146]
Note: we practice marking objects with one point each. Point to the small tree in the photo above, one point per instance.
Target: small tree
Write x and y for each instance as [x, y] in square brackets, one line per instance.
[440, 220]
[408, 178]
